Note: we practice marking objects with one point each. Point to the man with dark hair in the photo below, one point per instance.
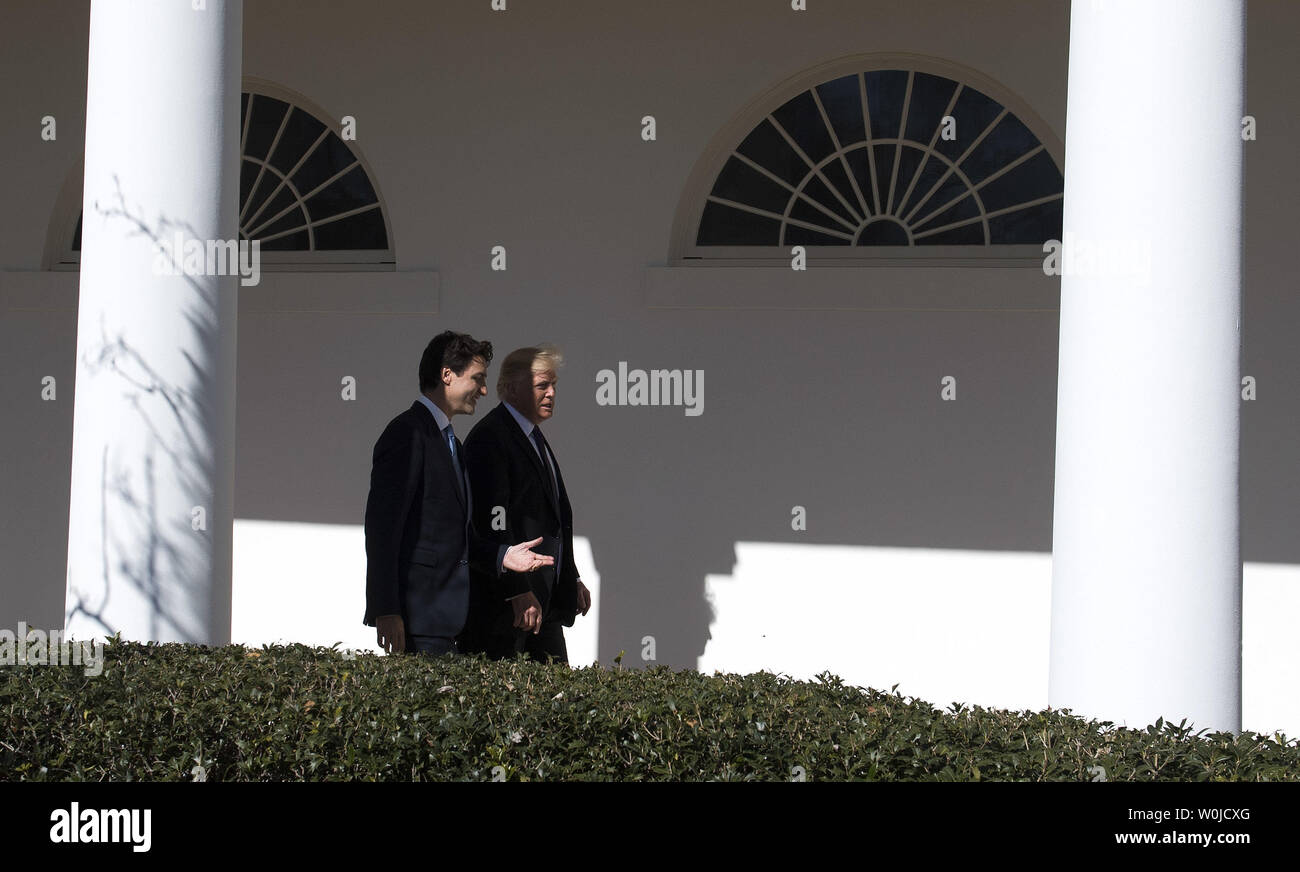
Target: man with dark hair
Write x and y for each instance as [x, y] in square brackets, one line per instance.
[519, 492]
[419, 542]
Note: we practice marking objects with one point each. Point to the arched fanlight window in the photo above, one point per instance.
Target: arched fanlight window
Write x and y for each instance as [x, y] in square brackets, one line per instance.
[300, 187]
[303, 191]
[884, 158]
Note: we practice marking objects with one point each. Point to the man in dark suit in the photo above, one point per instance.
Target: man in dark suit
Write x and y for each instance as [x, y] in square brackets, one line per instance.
[519, 493]
[419, 542]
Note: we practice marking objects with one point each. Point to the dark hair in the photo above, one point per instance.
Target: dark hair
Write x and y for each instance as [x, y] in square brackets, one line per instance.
[450, 349]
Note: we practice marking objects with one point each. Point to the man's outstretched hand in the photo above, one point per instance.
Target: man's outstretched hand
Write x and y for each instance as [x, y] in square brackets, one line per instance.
[519, 558]
[390, 632]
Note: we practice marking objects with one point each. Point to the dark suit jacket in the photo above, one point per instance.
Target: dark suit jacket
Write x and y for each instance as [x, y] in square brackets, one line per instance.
[418, 541]
[505, 470]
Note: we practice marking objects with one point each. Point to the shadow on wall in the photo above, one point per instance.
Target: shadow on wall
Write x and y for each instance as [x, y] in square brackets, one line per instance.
[853, 431]
[817, 431]
[146, 545]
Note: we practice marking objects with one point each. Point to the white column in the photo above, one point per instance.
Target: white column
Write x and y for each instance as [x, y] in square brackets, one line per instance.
[1146, 578]
[149, 532]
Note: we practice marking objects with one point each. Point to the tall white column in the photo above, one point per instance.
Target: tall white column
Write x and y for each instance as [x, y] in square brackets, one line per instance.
[1146, 578]
[149, 532]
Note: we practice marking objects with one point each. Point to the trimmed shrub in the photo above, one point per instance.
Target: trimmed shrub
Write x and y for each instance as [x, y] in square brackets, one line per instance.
[185, 712]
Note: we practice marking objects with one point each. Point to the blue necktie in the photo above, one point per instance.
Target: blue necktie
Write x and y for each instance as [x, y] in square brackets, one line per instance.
[452, 444]
[455, 458]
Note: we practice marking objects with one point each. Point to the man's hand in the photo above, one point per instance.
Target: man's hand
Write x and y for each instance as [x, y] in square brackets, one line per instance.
[520, 559]
[584, 598]
[390, 632]
[528, 612]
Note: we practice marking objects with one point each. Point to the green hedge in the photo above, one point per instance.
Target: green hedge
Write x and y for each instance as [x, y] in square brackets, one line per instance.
[181, 712]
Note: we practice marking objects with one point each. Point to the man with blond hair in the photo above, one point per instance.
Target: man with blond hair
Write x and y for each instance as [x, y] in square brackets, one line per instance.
[519, 495]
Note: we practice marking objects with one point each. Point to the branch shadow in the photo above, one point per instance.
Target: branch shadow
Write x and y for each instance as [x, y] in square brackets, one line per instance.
[158, 557]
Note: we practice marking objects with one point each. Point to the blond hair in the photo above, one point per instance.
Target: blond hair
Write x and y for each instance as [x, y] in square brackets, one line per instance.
[521, 363]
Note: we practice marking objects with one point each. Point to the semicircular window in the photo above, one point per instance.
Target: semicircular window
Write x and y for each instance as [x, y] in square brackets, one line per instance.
[886, 158]
[301, 188]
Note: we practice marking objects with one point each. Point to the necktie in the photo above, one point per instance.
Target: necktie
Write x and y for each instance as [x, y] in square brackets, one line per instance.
[453, 446]
[540, 442]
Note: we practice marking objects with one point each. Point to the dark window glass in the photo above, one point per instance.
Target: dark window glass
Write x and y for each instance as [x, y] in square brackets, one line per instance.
[349, 192]
[260, 215]
[1024, 226]
[1035, 178]
[293, 242]
[294, 219]
[767, 148]
[330, 158]
[267, 115]
[883, 232]
[804, 211]
[299, 135]
[958, 211]
[803, 122]
[860, 177]
[930, 96]
[925, 196]
[817, 190]
[884, 155]
[973, 114]
[843, 103]
[839, 180]
[247, 178]
[264, 192]
[264, 188]
[739, 181]
[1007, 141]
[796, 235]
[858, 161]
[723, 225]
[967, 234]
[362, 230]
[885, 92]
[909, 161]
